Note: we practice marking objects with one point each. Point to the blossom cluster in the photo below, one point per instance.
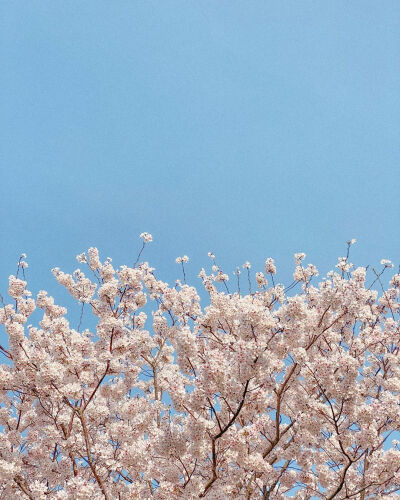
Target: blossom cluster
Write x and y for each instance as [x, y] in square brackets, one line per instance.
[258, 395]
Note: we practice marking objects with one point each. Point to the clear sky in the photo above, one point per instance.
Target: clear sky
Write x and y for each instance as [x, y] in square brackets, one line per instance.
[249, 128]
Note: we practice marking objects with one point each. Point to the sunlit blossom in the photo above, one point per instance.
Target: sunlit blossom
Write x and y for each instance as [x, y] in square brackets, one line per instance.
[149, 391]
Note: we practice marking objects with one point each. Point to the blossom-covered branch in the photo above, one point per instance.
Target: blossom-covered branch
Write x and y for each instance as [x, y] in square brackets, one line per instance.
[258, 395]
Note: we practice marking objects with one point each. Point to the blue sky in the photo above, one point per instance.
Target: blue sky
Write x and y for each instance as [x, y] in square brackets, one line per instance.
[249, 128]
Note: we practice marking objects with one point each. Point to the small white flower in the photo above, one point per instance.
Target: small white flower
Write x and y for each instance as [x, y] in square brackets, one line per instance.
[352, 241]
[246, 265]
[179, 260]
[211, 255]
[270, 266]
[81, 258]
[261, 280]
[146, 237]
[298, 257]
[395, 281]
[221, 277]
[387, 263]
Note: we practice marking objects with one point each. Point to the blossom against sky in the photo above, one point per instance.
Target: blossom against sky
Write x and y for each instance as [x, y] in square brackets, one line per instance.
[249, 129]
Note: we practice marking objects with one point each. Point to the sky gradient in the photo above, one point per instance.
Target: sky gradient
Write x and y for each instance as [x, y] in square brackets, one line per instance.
[250, 129]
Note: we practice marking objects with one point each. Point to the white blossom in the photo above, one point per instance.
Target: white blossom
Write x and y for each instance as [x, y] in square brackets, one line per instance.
[270, 266]
[179, 260]
[148, 392]
[146, 237]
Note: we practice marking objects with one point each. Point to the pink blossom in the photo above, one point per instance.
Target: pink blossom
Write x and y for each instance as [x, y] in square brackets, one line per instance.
[247, 396]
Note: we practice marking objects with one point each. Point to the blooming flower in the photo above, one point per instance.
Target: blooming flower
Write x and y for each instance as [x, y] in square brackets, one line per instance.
[146, 237]
[81, 258]
[179, 260]
[199, 392]
[270, 266]
[298, 257]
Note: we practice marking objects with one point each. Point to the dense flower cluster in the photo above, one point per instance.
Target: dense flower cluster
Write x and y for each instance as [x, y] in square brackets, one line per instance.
[257, 395]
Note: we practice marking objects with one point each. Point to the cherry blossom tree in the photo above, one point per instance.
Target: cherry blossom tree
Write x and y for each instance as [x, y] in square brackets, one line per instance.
[271, 393]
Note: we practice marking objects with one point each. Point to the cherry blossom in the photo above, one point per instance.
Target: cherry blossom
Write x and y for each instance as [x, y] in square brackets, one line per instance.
[180, 392]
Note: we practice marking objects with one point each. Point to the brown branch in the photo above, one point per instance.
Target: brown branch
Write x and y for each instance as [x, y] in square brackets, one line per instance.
[232, 420]
[341, 482]
[23, 487]
[74, 467]
[267, 494]
[221, 433]
[326, 328]
[323, 315]
[97, 386]
[89, 457]
[214, 470]
[6, 353]
[215, 413]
